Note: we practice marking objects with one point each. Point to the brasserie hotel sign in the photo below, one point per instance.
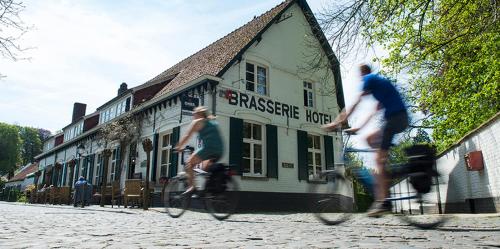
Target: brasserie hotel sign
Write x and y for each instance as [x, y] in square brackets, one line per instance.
[270, 106]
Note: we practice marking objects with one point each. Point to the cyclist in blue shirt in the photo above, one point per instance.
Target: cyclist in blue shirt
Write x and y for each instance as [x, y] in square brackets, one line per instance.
[208, 129]
[396, 121]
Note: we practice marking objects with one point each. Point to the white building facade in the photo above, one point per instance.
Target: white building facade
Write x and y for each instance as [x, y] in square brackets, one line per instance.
[268, 107]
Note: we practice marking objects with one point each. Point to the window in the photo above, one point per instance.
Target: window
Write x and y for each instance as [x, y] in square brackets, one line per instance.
[98, 170]
[253, 149]
[308, 94]
[165, 151]
[256, 78]
[112, 113]
[314, 156]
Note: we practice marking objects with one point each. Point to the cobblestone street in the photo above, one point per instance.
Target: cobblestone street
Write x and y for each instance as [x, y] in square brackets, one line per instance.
[39, 226]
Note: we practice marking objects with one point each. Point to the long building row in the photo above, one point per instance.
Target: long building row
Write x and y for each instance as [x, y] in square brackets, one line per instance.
[269, 109]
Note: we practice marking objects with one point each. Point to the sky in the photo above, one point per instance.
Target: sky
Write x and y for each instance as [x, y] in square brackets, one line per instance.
[81, 51]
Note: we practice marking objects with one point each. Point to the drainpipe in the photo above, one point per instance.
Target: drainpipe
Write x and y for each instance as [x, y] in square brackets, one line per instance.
[408, 189]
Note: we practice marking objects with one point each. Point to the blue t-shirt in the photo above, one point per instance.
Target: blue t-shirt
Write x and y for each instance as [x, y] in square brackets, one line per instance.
[385, 93]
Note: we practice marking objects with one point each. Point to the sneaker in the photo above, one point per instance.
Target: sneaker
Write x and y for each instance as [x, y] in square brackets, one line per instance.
[188, 192]
[379, 208]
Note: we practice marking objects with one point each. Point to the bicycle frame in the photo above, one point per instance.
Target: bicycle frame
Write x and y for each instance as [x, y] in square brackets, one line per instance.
[366, 178]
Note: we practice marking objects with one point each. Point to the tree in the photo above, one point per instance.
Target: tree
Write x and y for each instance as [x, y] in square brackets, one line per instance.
[448, 48]
[397, 153]
[354, 166]
[10, 144]
[12, 29]
[31, 144]
[123, 130]
[44, 134]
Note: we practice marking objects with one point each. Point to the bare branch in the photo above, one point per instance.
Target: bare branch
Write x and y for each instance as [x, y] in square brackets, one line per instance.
[12, 28]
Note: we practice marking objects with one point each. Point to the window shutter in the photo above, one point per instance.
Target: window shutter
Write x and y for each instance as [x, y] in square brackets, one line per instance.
[118, 163]
[329, 158]
[272, 151]
[305, 97]
[91, 168]
[174, 157]
[85, 166]
[235, 143]
[63, 174]
[43, 176]
[75, 171]
[302, 154]
[127, 105]
[155, 157]
[101, 171]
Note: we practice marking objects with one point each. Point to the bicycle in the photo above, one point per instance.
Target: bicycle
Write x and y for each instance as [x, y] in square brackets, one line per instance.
[216, 188]
[331, 206]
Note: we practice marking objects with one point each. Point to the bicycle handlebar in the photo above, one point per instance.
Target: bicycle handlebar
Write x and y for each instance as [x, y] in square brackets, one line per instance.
[188, 148]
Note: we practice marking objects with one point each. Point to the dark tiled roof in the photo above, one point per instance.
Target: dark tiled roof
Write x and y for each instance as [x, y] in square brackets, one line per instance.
[22, 174]
[213, 59]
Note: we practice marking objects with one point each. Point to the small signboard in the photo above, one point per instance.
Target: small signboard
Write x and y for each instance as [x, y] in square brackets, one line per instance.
[287, 165]
[188, 103]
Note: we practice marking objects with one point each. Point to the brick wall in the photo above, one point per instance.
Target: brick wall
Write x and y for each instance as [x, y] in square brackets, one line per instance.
[472, 191]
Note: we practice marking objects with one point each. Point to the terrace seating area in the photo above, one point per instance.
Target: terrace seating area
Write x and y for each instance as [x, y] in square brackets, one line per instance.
[131, 195]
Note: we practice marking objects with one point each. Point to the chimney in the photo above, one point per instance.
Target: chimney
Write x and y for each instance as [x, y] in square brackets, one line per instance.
[122, 89]
[78, 111]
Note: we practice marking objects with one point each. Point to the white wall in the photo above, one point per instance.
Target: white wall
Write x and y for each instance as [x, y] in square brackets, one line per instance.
[457, 184]
[281, 50]
[461, 184]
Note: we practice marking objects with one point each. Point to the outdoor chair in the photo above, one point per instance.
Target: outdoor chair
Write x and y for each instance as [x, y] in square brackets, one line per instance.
[106, 192]
[116, 194]
[53, 195]
[132, 192]
[29, 197]
[64, 195]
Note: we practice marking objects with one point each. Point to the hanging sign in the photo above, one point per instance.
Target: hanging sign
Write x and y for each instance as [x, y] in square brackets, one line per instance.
[188, 103]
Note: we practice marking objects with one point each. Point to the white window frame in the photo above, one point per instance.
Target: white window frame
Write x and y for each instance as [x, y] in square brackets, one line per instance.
[168, 150]
[314, 152]
[255, 77]
[253, 142]
[311, 97]
[112, 165]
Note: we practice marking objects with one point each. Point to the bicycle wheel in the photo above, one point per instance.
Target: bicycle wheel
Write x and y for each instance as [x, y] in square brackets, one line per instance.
[331, 201]
[224, 204]
[175, 203]
[424, 213]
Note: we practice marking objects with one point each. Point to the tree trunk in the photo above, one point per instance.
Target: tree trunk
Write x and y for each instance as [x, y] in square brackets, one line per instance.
[148, 147]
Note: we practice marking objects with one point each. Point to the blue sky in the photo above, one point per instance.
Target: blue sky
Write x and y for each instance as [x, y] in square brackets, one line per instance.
[83, 50]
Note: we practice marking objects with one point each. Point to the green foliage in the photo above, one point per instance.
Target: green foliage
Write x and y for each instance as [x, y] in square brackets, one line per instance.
[21, 197]
[18, 145]
[452, 58]
[10, 144]
[31, 144]
[397, 154]
[352, 163]
[448, 48]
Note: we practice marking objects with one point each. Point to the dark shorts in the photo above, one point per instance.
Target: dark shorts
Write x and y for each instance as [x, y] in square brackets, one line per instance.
[394, 124]
[208, 154]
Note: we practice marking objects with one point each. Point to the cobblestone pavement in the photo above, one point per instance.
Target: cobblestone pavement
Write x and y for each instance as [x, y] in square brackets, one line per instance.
[46, 226]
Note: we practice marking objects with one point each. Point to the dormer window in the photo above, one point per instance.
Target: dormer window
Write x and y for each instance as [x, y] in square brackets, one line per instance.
[256, 78]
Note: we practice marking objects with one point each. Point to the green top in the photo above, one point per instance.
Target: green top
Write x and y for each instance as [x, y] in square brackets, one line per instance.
[211, 136]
